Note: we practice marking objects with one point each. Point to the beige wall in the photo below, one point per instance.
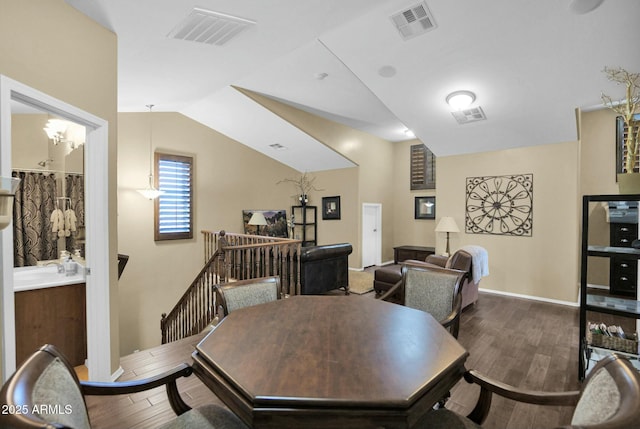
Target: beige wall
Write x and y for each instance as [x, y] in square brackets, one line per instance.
[32, 36]
[406, 229]
[543, 265]
[374, 158]
[229, 177]
[598, 176]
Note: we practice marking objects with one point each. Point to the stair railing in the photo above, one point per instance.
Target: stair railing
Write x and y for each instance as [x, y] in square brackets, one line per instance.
[230, 257]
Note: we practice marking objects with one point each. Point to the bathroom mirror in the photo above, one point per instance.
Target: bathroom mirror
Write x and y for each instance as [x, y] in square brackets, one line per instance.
[47, 154]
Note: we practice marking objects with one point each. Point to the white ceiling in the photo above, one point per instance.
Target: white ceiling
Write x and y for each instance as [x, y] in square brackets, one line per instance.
[530, 63]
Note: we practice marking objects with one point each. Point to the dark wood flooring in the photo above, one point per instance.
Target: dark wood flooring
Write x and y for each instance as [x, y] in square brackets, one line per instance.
[525, 343]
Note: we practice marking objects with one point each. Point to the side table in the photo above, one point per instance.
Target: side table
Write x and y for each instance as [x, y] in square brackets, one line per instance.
[402, 253]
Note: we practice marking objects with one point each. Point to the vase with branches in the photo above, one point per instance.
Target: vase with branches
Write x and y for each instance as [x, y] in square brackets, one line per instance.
[627, 109]
[304, 184]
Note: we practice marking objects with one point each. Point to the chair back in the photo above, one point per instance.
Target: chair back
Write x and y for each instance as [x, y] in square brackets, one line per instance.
[435, 291]
[461, 260]
[245, 293]
[44, 392]
[610, 396]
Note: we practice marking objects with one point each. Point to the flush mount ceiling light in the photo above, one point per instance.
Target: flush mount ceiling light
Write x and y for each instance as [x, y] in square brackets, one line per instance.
[150, 192]
[460, 99]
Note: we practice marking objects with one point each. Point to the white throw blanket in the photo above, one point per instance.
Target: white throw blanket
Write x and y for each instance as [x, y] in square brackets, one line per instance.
[479, 261]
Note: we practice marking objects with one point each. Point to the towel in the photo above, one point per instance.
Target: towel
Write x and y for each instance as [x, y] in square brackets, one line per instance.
[69, 221]
[57, 220]
[479, 261]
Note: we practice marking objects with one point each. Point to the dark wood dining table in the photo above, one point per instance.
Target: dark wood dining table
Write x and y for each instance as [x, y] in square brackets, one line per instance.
[329, 362]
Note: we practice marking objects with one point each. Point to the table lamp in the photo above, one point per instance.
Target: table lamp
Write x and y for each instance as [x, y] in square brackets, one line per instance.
[257, 219]
[447, 224]
[8, 186]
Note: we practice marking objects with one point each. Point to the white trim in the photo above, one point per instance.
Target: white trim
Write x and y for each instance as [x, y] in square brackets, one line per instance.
[97, 227]
[531, 297]
[117, 374]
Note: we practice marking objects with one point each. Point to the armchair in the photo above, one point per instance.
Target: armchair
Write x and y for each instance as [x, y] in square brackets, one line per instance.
[45, 393]
[387, 276]
[609, 399]
[433, 290]
[244, 293]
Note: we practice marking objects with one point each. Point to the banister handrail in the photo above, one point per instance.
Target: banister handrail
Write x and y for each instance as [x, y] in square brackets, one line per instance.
[230, 256]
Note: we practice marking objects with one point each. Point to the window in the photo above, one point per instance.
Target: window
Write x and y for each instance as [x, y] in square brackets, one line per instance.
[423, 168]
[174, 208]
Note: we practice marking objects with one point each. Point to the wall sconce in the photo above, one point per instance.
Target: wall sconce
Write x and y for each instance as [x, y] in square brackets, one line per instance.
[257, 219]
[460, 99]
[61, 131]
[447, 224]
[8, 186]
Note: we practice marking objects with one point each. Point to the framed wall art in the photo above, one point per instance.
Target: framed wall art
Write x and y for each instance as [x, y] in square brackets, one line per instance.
[276, 223]
[500, 205]
[425, 208]
[330, 208]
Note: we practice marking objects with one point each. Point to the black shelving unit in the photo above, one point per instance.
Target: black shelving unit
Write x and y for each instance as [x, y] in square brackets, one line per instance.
[305, 225]
[601, 303]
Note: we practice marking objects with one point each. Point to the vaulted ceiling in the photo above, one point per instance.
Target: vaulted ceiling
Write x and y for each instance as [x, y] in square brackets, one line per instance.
[529, 63]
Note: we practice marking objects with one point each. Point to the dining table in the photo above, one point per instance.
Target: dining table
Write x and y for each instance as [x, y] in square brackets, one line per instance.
[329, 362]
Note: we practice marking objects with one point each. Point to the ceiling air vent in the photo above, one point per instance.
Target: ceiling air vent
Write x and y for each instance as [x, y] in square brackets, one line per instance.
[206, 26]
[469, 115]
[277, 146]
[413, 21]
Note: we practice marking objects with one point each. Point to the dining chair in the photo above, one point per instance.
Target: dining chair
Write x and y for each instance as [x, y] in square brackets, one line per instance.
[609, 399]
[244, 293]
[434, 290]
[45, 393]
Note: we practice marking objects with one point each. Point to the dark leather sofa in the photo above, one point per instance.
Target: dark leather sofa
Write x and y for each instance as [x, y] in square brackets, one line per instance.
[324, 268]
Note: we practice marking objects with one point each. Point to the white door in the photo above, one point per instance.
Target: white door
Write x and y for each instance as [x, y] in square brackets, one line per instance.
[371, 234]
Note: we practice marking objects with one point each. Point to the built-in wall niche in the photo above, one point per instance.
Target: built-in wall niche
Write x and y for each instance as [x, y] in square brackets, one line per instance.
[51, 165]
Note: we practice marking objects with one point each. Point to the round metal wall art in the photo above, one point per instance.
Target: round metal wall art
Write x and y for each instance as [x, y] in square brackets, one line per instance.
[501, 205]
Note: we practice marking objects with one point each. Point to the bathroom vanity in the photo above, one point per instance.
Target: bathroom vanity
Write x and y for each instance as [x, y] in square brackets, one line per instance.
[50, 308]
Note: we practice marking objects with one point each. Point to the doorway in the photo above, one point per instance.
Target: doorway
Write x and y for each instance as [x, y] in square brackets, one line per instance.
[96, 228]
[371, 234]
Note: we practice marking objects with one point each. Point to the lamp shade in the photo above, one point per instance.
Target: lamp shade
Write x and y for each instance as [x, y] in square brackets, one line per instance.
[257, 219]
[447, 224]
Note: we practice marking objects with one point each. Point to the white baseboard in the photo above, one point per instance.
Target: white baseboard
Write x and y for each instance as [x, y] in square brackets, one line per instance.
[117, 374]
[533, 298]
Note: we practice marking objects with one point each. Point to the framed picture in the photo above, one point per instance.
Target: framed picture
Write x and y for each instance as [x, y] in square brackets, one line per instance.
[330, 208]
[425, 208]
[276, 223]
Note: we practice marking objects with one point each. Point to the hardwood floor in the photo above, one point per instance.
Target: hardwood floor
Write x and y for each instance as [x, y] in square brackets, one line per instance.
[525, 343]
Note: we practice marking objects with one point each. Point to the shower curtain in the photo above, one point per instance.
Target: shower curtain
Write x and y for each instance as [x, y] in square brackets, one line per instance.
[34, 201]
[74, 185]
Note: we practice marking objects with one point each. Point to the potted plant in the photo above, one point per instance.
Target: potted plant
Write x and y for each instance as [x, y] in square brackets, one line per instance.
[304, 184]
[628, 182]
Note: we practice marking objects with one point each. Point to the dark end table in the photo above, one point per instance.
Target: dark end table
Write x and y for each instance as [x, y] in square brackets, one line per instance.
[402, 253]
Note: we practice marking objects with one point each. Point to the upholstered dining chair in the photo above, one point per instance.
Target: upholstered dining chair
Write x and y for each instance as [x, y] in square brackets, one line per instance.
[609, 399]
[244, 293]
[434, 290]
[45, 393]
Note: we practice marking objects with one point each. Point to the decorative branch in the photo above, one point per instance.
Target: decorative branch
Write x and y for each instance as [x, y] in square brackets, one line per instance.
[304, 184]
[626, 108]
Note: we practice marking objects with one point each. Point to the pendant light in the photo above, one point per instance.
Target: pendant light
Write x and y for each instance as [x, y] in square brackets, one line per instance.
[150, 192]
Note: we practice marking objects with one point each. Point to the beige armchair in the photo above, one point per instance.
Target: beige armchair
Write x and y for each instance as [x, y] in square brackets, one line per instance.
[244, 293]
[433, 290]
[45, 393]
[609, 399]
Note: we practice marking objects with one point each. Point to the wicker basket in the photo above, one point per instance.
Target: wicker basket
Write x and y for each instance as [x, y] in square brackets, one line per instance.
[613, 343]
